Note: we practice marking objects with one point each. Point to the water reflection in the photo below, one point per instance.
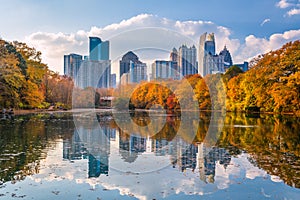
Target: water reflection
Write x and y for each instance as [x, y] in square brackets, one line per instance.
[262, 144]
[23, 142]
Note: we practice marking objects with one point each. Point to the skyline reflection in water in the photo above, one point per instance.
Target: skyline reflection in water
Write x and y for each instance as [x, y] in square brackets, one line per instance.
[250, 150]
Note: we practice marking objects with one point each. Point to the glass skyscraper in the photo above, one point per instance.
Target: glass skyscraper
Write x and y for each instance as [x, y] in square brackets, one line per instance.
[125, 62]
[72, 64]
[131, 66]
[208, 61]
[187, 60]
[99, 50]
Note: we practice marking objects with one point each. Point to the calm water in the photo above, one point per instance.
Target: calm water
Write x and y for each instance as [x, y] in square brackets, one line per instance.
[84, 155]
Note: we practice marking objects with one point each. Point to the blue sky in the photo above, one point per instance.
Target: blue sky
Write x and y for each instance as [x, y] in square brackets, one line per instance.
[22, 19]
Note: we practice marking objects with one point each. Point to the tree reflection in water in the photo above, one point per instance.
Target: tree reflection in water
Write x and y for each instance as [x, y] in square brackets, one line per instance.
[272, 141]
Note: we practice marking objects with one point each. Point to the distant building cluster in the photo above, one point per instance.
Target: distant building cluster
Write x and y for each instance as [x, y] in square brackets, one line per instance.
[94, 70]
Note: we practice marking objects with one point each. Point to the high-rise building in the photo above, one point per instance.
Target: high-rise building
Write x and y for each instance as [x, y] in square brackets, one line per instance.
[187, 60]
[133, 68]
[227, 58]
[174, 59]
[208, 61]
[104, 55]
[95, 48]
[94, 74]
[125, 62]
[138, 72]
[96, 69]
[99, 50]
[164, 69]
[174, 55]
[72, 64]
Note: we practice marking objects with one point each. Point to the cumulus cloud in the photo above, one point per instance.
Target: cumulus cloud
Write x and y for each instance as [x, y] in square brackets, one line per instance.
[146, 31]
[293, 11]
[254, 45]
[283, 4]
[265, 21]
[141, 31]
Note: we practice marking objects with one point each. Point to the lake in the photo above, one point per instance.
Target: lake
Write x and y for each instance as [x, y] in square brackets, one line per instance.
[88, 154]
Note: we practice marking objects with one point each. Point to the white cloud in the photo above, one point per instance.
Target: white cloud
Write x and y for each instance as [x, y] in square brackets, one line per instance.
[146, 31]
[265, 21]
[254, 45]
[283, 4]
[293, 11]
[141, 31]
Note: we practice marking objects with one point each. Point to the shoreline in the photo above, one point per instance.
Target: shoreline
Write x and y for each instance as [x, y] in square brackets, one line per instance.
[36, 111]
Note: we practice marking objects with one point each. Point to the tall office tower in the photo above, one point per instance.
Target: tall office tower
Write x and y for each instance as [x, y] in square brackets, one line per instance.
[95, 48]
[174, 55]
[174, 59]
[99, 50]
[125, 62]
[94, 74]
[210, 45]
[164, 69]
[227, 58]
[97, 68]
[104, 55]
[138, 72]
[209, 62]
[132, 67]
[72, 64]
[201, 52]
[187, 60]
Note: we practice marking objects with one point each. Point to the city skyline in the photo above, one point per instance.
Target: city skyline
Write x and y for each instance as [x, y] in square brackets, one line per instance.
[246, 28]
[185, 61]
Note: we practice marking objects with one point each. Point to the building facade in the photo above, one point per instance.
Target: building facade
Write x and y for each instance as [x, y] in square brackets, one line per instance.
[208, 61]
[131, 67]
[187, 60]
[98, 49]
[94, 74]
[164, 69]
[72, 64]
[227, 58]
[125, 62]
[138, 72]
[244, 66]
[113, 80]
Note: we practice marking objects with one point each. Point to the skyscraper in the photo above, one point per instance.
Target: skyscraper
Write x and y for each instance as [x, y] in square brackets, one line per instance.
[174, 59]
[227, 58]
[131, 66]
[125, 62]
[187, 60]
[164, 69]
[174, 55]
[138, 72]
[99, 50]
[208, 61]
[94, 74]
[72, 64]
[95, 69]
[104, 55]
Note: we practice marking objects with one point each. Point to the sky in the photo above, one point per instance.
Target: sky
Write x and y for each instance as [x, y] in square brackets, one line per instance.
[59, 27]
